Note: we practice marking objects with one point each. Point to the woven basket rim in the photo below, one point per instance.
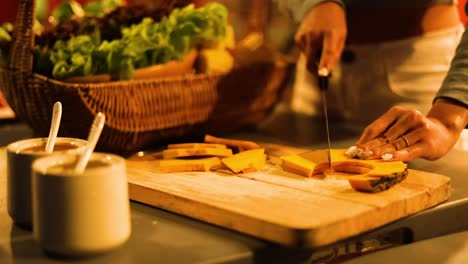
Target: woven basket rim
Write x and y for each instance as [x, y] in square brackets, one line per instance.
[97, 85]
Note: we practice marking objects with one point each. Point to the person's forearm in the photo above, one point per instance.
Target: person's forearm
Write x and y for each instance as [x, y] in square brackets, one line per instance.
[452, 114]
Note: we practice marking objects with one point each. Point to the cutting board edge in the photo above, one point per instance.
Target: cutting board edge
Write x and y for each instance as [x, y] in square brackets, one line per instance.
[285, 235]
[288, 236]
[321, 237]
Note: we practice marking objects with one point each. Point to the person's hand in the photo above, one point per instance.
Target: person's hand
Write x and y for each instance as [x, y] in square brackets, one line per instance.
[324, 27]
[406, 134]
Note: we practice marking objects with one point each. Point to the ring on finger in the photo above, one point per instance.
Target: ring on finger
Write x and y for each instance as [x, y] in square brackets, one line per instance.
[384, 138]
[395, 144]
[406, 140]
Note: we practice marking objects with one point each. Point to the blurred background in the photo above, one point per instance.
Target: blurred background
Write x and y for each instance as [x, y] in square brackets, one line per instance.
[245, 15]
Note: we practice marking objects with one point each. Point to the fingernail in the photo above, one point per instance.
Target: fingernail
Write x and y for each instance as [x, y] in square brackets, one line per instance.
[323, 72]
[363, 154]
[387, 156]
[351, 152]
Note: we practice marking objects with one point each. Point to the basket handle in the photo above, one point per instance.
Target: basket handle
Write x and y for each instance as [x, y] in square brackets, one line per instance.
[21, 56]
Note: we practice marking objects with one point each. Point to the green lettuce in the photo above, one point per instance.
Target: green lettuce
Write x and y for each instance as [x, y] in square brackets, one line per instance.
[67, 9]
[101, 7]
[74, 57]
[5, 40]
[141, 45]
[5, 32]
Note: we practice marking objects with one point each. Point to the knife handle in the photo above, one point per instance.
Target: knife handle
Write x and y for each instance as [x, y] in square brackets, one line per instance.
[322, 73]
[323, 82]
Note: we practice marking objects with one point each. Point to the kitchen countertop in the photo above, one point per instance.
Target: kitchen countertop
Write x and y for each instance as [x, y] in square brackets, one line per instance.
[158, 235]
[448, 249]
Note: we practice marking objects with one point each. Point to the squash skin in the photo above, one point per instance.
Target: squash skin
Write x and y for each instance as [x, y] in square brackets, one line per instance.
[194, 152]
[195, 145]
[240, 144]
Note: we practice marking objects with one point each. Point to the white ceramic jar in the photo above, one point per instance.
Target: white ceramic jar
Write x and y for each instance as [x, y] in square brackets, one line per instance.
[83, 214]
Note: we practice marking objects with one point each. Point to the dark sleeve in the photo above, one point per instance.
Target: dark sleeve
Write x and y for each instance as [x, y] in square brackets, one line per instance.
[455, 84]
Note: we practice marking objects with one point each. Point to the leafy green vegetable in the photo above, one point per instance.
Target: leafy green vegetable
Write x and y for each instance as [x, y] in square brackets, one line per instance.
[141, 45]
[100, 7]
[42, 8]
[67, 9]
[74, 57]
[5, 40]
[3, 58]
[41, 62]
[5, 30]
[38, 28]
[4, 35]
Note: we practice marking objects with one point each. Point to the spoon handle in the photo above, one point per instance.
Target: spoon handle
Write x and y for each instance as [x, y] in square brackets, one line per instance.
[54, 127]
[93, 137]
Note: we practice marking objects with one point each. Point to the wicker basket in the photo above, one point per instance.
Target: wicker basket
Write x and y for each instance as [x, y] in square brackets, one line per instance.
[139, 113]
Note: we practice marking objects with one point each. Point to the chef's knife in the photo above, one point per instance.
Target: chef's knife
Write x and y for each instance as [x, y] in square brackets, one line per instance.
[323, 75]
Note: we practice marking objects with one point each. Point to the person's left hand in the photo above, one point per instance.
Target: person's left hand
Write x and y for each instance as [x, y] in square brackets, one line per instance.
[406, 134]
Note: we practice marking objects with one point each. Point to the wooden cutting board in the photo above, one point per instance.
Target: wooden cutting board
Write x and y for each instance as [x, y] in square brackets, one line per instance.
[282, 207]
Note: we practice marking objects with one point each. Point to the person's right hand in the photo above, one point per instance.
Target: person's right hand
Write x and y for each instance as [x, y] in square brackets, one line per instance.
[324, 27]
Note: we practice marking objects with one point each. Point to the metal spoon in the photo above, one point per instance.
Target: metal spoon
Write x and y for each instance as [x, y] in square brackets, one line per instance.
[93, 137]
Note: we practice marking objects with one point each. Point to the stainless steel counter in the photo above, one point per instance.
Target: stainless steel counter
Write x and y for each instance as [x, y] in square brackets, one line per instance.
[164, 237]
[448, 249]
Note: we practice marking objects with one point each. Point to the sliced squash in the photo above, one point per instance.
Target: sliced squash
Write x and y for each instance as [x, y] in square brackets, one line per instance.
[241, 144]
[298, 165]
[195, 145]
[183, 165]
[246, 161]
[195, 152]
[365, 183]
[370, 175]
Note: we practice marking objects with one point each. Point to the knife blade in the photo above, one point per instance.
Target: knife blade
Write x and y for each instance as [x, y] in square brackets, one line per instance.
[323, 76]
